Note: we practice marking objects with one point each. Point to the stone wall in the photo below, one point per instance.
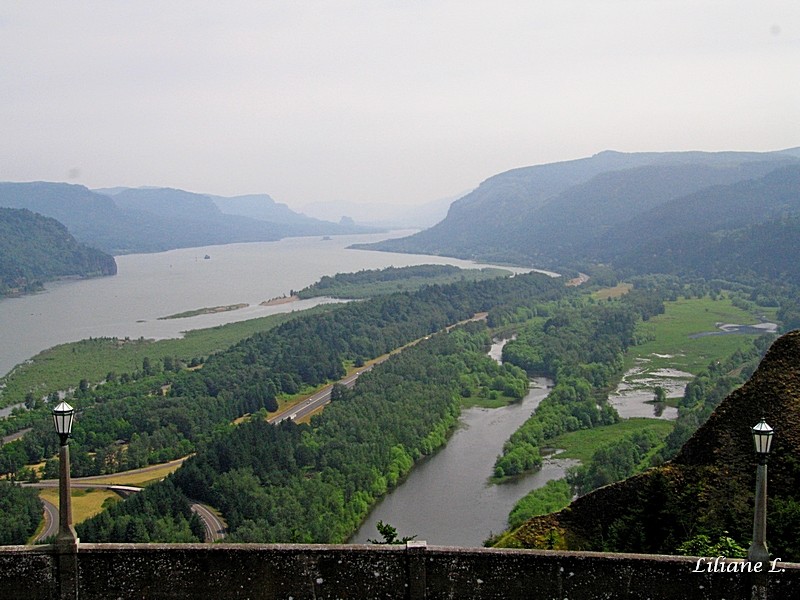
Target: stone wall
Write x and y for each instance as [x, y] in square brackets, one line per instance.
[415, 571]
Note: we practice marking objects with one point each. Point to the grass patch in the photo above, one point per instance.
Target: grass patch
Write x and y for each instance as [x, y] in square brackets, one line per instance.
[553, 496]
[582, 444]
[86, 503]
[613, 292]
[209, 310]
[671, 346]
[139, 477]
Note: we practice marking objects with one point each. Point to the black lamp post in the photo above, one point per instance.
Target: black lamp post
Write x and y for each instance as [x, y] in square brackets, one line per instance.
[63, 417]
[762, 438]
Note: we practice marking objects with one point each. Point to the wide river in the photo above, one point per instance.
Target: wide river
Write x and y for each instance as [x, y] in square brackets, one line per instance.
[149, 286]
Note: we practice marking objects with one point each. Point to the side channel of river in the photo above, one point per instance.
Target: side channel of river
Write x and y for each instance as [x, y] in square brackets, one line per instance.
[447, 499]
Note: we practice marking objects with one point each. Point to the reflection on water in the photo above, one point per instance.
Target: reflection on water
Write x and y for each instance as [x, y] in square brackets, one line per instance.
[635, 394]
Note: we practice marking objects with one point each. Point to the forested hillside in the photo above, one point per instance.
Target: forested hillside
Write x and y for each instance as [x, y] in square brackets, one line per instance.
[611, 206]
[35, 249]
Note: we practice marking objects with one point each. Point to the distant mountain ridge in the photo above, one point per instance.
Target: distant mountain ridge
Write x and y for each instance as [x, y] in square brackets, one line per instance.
[127, 220]
[35, 249]
[610, 206]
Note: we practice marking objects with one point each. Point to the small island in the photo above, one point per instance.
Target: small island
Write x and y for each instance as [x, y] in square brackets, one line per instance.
[210, 310]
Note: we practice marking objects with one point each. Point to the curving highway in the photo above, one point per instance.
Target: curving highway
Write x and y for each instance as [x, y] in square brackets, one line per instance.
[215, 528]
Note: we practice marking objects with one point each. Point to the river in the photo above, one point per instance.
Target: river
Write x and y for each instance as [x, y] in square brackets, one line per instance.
[149, 286]
[447, 499]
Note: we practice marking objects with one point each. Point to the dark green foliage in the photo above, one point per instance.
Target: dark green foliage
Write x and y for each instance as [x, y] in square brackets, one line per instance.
[553, 496]
[703, 545]
[582, 349]
[20, 513]
[368, 283]
[35, 249]
[613, 462]
[389, 535]
[156, 514]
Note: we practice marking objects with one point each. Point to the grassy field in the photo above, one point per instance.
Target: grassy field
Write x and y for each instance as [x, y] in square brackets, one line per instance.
[671, 346]
[583, 443]
[615, 292]
[86, 503]
[140, 477]
[62, 367]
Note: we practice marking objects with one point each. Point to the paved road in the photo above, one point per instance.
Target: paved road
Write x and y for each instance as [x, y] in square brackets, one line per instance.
[320, 398]
[214, 527]
[50, 520]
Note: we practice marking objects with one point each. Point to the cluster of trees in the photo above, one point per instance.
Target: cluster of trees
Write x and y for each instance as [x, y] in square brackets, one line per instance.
[614, 462]
[368, 283]
[582, 348]
[156, 514]
[20, 513]
[570, 406]
[316, 483]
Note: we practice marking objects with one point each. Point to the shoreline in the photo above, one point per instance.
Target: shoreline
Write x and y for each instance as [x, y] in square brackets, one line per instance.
[280, 300]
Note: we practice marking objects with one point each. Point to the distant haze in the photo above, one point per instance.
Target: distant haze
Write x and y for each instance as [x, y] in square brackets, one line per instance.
[381, 103]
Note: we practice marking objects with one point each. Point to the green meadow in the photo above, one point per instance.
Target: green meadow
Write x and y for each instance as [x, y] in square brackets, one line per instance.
[670, 345]
[582, 444]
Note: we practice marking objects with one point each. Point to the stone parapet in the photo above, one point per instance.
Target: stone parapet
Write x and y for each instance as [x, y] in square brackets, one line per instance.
[413, 572]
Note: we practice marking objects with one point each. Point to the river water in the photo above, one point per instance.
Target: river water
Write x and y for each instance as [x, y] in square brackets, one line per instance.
[447, 499]
[149, 286]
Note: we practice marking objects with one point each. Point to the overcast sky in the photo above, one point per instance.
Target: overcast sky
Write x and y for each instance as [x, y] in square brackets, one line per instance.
[376, 101]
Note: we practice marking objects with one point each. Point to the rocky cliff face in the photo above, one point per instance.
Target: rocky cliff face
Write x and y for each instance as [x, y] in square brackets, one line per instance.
[708, 487]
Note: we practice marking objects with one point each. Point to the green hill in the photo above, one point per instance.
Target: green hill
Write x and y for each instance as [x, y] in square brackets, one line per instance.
[35, 249]
[708, 488]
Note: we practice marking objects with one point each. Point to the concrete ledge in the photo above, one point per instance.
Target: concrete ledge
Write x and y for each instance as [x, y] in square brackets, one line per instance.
[416, 571]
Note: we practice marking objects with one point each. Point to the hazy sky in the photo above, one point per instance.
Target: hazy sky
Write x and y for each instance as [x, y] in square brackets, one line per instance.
[376, 101]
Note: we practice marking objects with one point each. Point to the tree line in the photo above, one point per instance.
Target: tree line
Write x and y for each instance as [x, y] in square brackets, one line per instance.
[581, 346]
[316, 483]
